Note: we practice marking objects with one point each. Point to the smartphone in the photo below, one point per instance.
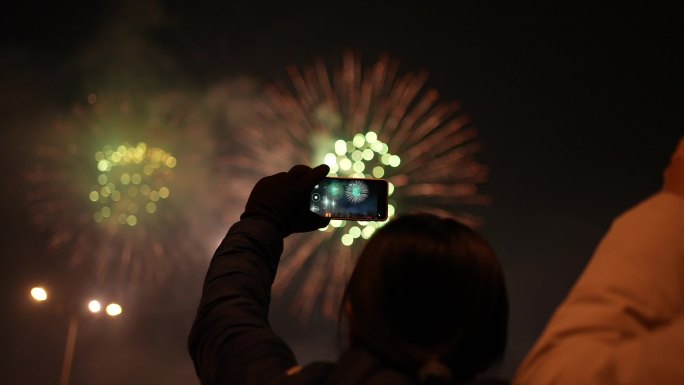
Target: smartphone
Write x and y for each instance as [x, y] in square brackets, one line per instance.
[350, 198]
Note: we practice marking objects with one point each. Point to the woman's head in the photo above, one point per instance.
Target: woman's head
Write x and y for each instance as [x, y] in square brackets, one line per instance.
[429, 288]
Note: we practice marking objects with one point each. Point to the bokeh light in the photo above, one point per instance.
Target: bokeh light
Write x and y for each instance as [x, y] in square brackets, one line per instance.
[363, 156]
[131, 183]
[39, 294]
[113, 309]
[94, 306]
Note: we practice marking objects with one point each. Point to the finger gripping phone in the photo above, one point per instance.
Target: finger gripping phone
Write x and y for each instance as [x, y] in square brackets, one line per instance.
[350, 198]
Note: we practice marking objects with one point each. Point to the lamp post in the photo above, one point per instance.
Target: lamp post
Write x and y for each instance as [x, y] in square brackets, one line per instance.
[40, 294]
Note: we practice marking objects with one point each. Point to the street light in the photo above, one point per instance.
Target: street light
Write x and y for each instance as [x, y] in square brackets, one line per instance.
[39, 294]
[94, 306]
[114, 309]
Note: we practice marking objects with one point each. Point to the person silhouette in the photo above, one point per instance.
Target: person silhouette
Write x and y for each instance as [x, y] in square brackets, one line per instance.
[426, 302]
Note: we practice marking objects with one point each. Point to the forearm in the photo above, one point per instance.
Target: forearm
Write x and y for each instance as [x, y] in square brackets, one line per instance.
[231, 332]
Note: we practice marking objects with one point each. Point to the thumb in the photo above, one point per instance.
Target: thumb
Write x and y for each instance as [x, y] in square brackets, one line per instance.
[311, 178]
[298, 171]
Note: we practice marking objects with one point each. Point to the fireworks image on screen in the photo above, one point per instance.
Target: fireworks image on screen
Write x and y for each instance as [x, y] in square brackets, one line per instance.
[121, 187]
[364, 123]
[356, 192]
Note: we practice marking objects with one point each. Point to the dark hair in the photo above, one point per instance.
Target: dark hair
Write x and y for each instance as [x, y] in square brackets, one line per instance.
[427, 289]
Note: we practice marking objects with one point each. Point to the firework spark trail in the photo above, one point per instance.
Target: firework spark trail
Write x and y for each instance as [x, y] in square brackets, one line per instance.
[342, 266]
[370, 122]
[299, 250]
[312, 286]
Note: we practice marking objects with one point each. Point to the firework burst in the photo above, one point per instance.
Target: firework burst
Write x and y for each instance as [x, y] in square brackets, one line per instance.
[122, 187]
[356, 192]
[363, 123]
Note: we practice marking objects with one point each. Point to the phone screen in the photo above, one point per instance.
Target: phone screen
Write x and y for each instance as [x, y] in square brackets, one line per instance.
[350, 198]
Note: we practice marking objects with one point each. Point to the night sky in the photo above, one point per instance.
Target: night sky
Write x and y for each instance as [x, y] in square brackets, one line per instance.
[578, 109]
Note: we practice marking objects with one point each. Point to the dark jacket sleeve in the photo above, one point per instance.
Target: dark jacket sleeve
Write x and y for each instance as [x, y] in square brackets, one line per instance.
[231, 341]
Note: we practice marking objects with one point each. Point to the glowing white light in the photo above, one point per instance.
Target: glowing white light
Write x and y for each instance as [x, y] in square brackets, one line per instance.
[367, 154]
[378, 172]
[359, 166]
[394, 160]
[330, 159]
[336, 223]
[94, 306]
[356, 155]
[359, 140]
[39, 294]
[355, 231]
[340, 147]
[367, 232]
[347, 240]
[371, 137]
[113, 309]
[345, 164]
[103, 165]
[390, 188]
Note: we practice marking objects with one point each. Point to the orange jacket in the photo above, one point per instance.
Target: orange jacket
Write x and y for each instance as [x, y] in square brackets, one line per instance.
[623, 321]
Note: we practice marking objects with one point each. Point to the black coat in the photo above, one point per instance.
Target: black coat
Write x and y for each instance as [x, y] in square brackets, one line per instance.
[231, 341]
